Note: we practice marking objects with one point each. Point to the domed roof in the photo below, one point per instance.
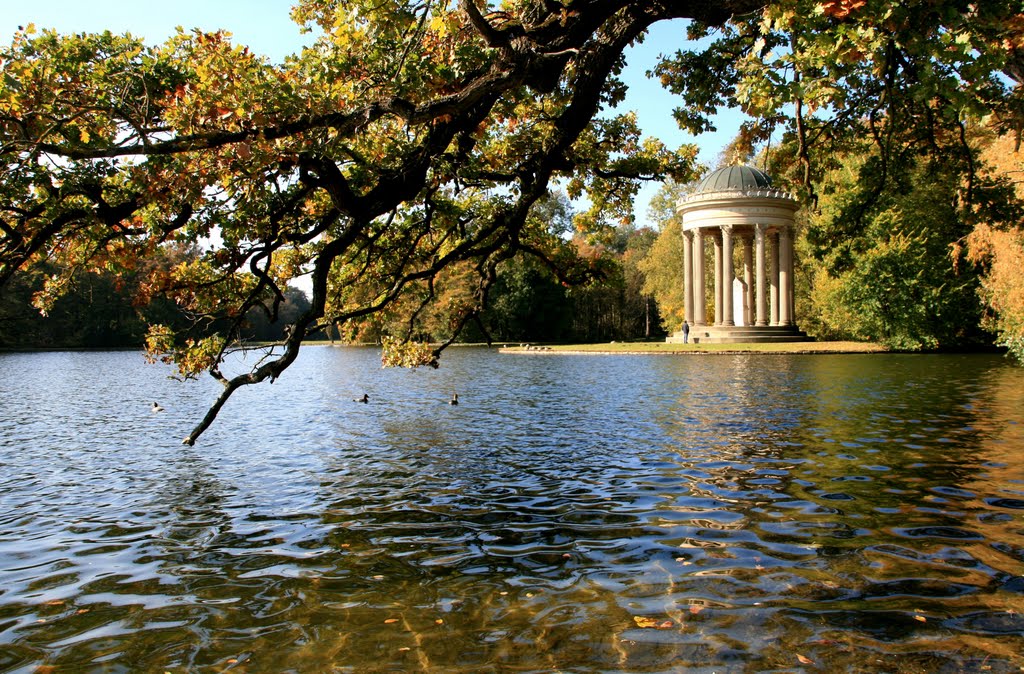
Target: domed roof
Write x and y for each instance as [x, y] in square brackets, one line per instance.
[739, 178]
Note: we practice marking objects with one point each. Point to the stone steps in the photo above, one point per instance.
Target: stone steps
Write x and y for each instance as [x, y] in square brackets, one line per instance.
[720, 334]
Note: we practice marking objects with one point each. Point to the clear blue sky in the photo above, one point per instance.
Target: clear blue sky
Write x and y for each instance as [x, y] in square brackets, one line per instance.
[265, 26]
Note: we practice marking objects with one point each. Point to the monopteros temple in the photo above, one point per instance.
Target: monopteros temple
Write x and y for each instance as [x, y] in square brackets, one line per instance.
[736, 208]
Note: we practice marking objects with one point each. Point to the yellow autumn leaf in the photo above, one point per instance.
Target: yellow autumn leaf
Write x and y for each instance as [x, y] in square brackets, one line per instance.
[646, 623]
[438, 25]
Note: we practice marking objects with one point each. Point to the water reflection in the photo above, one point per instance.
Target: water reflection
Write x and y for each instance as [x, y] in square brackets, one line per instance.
[613, 513]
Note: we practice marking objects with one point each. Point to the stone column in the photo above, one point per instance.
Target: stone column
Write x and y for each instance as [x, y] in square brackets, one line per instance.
[786, 277]
[728, 277]
[699, 295]
[775, 280]
[748, 279]
[762, 293]
[688, 277]
[717, 244]
[792, 280]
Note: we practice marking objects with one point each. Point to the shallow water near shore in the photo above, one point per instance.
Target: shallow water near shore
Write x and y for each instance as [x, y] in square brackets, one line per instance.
[717, 513]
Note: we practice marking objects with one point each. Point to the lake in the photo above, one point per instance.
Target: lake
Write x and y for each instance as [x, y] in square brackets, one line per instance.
[701, 513]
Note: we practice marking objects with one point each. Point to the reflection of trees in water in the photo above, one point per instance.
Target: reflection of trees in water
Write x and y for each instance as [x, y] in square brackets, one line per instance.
[903, 441]
[998, 414]
[998, 503]
[849, 473]
[859, 420]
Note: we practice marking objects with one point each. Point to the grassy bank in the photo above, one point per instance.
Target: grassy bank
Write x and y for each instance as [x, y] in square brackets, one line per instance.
[669, 349]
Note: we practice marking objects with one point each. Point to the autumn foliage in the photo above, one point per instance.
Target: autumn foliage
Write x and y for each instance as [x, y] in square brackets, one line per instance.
[999, 250]
[404, 149]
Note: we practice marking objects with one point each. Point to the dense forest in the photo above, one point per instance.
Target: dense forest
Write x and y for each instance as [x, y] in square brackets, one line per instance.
[527, 303]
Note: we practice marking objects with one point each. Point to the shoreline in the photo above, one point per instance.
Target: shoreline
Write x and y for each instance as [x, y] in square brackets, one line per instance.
[606, 348]
[666, 349]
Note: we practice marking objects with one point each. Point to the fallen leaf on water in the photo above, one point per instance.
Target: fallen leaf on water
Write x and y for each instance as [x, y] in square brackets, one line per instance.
[921, 618]
[390, 620]
[439, 621]
[404, 648]
[55, 602]
[804, 660]
[666, 625]
[641, 621]
[696, 608]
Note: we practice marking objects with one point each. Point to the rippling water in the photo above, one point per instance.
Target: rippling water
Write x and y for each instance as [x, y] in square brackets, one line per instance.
[574, 513]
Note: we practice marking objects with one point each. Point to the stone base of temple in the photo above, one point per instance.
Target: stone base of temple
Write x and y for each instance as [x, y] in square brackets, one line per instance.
[717, 334]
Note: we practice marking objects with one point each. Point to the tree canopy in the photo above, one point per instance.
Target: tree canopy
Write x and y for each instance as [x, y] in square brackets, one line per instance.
[886, 112]
[414, 140]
